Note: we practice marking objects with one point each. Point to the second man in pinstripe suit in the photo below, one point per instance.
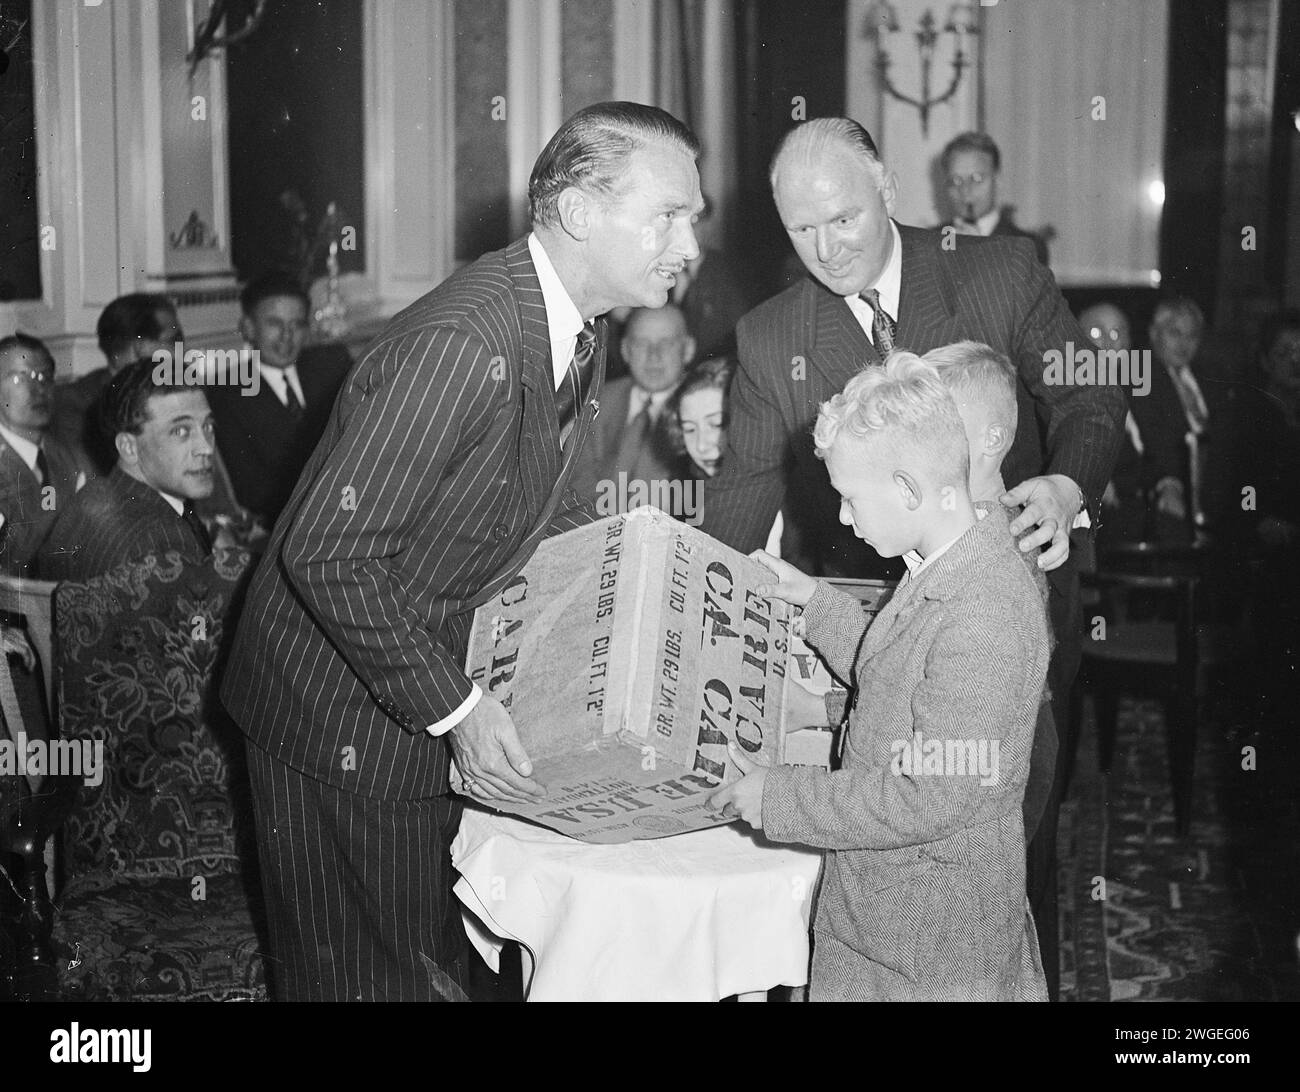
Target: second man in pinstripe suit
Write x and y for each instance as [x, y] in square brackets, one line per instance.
[444, 463]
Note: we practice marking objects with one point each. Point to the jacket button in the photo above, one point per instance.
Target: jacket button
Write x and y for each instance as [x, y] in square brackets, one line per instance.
[499, 532]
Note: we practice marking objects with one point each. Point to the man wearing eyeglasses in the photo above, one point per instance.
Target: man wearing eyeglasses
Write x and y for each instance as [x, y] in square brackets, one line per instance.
[37, 474]
[971, 162]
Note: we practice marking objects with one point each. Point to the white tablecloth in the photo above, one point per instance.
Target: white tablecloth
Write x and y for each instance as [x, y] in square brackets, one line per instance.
[694, 917]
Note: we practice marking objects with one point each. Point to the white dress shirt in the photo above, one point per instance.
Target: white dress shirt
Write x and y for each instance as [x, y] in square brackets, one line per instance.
[277, 378]
[565, 323]
[637, 402]
[24, 449]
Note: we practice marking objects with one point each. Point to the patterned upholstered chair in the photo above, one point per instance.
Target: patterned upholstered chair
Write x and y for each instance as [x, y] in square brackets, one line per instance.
[160, 900]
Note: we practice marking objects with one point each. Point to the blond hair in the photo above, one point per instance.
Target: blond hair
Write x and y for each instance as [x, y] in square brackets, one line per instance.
[979, 374]
[904, 409]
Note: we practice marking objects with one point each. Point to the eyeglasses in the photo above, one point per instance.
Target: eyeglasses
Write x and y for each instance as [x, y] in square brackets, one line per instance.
[958, 182]
[17, 379]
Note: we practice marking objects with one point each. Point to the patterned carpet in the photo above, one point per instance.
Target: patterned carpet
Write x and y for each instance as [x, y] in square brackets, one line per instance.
[1147, 915]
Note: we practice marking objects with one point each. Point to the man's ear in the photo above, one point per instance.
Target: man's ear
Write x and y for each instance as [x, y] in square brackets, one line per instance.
[889, 191]
[574, 210]
[909, 489]
[127, 448]
[246, 330]
[688, 349]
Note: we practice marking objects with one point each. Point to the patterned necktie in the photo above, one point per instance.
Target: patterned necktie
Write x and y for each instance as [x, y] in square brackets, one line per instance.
[1198, 415]
[42, 466]
[196, 525]
[882, 326]
[577, 381]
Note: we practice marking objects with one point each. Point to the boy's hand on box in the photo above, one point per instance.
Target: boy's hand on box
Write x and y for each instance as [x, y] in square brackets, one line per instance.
[742, 799]
[492, 762]
[792, 586]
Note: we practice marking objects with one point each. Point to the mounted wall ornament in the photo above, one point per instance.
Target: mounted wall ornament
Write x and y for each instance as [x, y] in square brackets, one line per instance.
[882, 22]
[206, 41]
[193, 235]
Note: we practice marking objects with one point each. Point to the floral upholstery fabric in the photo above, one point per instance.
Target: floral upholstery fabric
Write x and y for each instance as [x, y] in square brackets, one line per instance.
[155, 904]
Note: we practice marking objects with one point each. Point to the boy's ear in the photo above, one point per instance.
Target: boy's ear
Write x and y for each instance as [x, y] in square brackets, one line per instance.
[996, 439]
[909, 489]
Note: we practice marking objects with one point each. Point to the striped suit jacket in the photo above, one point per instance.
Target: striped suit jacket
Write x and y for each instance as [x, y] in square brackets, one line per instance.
[29, 511]
[923, 896]
[802, 346]
[111, 521]
[437, 473]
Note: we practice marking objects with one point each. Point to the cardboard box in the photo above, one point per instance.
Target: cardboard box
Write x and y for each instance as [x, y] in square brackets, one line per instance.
[629, 653]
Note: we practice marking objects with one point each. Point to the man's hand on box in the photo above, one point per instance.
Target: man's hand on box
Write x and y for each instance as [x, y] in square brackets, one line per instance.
[742, 799]
[792, 586]
[491, 760]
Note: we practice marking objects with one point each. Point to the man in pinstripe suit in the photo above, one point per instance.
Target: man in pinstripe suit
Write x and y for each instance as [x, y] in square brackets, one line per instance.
[876, 285]
[446, 460]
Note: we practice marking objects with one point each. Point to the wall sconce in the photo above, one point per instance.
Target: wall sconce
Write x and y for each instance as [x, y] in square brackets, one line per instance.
[882, 21]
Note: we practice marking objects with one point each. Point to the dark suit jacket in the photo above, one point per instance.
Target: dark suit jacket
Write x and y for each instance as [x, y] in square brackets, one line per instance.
[28, 510]
[263, 447]
[76, 426]
[717, 298]
[802, 346]
[1007, 227]
[111, 521]
[438, 472]
[605, 453]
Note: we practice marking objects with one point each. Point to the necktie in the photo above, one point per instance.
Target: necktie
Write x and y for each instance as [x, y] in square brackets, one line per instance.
[1198, 415]
[42, 466]
[635, 442]
[882, 326]
[196, 525]
[291, 402]
[577, 381]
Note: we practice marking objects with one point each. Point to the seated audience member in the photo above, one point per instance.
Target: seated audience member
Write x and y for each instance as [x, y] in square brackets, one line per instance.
[130, 328]
[697, 431]
[1174, 410]
[923, 891]
[145, 504]
[971, 162]
[629, 436]
[38, 475]
[1124, 504]
[266, 439]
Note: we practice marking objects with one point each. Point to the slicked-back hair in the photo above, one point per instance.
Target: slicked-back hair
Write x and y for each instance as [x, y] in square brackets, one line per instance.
[272, 285]
[978, 373]
[124, 405]
[712, 374]
[808, 142]
[27, 343]
[129, 317]
[971, 142]
[904, 409]
[591, 151]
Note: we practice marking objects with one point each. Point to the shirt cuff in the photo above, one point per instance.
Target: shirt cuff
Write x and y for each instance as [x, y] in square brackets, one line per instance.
[458, 714]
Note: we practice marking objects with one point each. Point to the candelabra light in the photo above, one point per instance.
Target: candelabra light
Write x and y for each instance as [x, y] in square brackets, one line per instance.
[882, 23]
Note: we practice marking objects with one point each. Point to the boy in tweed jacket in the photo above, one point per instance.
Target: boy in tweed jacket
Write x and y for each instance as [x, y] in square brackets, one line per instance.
[923, 896]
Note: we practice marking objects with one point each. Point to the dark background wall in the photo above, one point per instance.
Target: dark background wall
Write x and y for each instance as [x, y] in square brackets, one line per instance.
[295, 94]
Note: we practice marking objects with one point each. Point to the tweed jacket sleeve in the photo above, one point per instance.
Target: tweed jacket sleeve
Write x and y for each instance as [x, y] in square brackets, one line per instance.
[835, 624]
[975, 666]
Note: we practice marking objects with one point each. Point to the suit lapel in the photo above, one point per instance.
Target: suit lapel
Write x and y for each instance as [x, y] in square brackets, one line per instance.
[539, 437]
[841, 347]
[927, 297]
